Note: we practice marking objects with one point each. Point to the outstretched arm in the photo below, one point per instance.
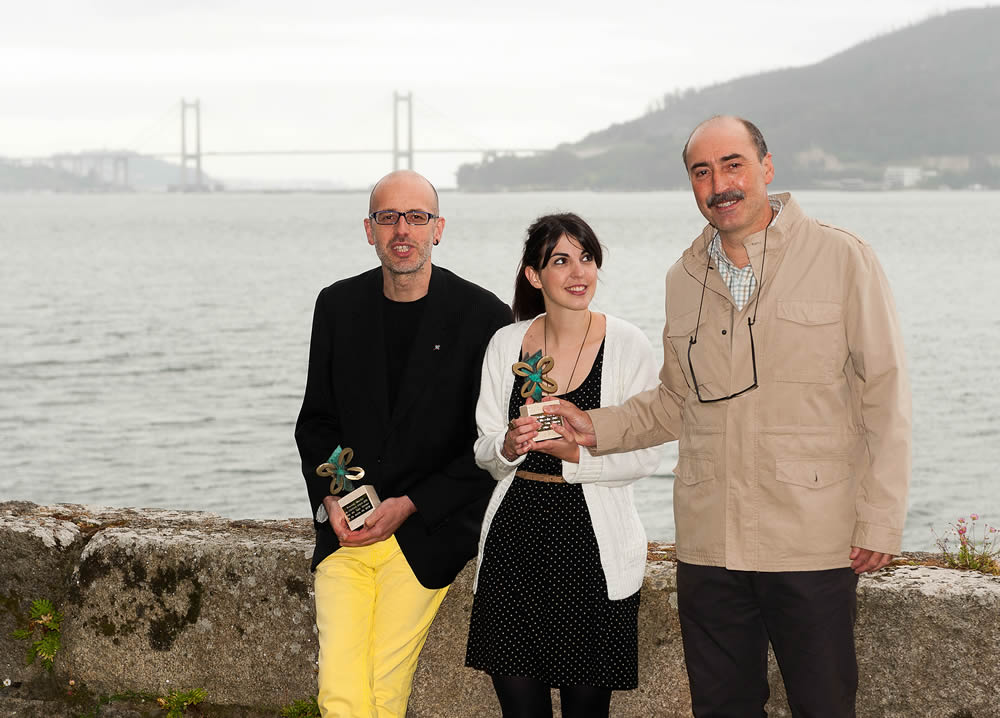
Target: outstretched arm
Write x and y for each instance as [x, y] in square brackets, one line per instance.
[628, 370]
[651, 412]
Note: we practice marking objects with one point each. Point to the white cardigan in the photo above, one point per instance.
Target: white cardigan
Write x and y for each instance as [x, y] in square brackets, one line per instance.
[628, 369]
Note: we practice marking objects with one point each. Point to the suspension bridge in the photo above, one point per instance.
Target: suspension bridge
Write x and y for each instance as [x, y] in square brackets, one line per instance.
[111, 168]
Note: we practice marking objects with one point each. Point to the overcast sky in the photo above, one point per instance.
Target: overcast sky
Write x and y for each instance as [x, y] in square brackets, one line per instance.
[77, 74]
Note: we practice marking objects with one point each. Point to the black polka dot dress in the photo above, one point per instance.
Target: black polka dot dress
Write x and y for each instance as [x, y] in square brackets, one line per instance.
[541, 609]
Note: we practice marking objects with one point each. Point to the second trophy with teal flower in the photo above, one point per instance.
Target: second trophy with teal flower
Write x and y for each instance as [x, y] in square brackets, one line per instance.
[359, 502]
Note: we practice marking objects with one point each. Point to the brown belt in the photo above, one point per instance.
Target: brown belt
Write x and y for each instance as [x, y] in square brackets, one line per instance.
[532, 476]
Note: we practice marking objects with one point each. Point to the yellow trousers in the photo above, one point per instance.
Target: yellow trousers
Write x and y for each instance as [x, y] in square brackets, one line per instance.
[373, 617]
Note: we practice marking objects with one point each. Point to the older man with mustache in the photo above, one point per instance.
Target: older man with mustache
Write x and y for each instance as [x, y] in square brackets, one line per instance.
[784, 380]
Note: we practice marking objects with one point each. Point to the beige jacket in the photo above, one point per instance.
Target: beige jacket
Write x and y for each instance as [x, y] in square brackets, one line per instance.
[788, 476]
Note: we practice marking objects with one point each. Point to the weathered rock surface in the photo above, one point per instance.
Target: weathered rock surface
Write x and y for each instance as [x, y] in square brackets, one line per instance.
[156, 601]
[927, 643]
[40, 551]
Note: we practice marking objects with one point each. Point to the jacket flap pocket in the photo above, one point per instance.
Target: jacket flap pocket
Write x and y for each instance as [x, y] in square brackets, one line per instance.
[809, 312]
[682, 325]
[812, 473]
[694, 468]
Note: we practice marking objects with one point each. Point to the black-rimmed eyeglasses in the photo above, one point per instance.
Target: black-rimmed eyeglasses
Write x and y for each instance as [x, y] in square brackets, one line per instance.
[750, 322]
[391, 216]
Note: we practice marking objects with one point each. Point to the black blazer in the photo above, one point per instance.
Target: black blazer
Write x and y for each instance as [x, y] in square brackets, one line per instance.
[423, 449]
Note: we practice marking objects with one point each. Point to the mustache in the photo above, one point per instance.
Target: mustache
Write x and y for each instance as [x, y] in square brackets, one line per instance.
[728, 196]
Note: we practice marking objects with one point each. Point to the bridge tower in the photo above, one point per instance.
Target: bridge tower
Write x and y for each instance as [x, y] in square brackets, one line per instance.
[195, 156]
[397, 99]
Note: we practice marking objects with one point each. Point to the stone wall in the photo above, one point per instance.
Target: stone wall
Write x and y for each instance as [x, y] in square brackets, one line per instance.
[161, 600]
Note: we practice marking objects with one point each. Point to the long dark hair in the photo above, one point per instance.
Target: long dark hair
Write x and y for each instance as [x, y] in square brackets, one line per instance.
[543, 236]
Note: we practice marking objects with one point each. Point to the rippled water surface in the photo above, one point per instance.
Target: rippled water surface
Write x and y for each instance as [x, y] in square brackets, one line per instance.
[153, 347]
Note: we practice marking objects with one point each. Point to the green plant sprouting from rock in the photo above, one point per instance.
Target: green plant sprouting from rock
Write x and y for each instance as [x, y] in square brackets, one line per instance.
[44, 621]
[982, 554]
[302, 708]
[176, 703]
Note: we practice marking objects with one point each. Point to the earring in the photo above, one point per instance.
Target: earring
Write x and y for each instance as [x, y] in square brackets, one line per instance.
[436, 242]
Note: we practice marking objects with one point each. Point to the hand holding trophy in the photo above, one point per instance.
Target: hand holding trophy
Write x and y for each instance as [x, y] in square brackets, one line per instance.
[537, 383]
[359, 502]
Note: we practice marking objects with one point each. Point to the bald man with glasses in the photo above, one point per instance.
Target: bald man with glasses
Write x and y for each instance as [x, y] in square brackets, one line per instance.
[394, 369]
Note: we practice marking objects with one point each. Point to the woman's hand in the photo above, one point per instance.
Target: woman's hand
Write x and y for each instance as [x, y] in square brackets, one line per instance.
[518, 440]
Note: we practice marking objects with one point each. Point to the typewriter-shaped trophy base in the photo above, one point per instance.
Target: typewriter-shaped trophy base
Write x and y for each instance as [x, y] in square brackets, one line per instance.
[537, 410]
[358, 505]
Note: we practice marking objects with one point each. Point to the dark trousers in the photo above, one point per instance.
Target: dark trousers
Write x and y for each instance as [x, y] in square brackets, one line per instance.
[728, 617]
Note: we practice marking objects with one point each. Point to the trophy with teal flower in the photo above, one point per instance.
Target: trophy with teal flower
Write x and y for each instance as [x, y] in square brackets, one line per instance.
[537, 383]
[359, 501]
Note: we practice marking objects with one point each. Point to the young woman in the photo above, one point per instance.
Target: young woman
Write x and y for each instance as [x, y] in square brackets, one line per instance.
[562, 552]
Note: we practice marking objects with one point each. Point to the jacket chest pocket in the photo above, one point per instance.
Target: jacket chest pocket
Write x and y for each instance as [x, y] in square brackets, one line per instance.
[693, 469]
[705, 357]
[808, 342]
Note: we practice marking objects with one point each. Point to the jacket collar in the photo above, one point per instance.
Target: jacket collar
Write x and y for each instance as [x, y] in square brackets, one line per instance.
[778, 236]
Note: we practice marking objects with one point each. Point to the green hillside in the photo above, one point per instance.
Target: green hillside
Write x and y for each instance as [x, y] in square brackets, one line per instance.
[926, 96]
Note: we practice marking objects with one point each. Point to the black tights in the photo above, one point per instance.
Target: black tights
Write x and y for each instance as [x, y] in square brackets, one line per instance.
[530, 698]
